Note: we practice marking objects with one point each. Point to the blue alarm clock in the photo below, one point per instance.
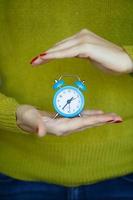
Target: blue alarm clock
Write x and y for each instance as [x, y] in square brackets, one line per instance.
[68, 100]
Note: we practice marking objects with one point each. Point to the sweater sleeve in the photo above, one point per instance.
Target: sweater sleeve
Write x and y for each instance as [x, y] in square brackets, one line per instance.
[8, 106]
[129, 51]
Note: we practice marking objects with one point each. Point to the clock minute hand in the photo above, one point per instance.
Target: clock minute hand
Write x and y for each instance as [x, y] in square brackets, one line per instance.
[74, 98]
[65, 105]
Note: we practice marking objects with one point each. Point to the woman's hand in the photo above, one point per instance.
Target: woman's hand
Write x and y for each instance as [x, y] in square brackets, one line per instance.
[86, 44]
[33, 120]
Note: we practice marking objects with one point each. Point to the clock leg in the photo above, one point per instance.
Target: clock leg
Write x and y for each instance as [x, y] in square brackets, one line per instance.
[55, 115]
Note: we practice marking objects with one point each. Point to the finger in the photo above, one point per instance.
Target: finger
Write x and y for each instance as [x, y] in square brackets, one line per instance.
[91, 112]
[28, 129]
[64, 125]
[74, 51]
[95, 125]
[115, 116]
[61, 126]
[41, 129]
[70, 52]
[79, 35]
[38, 60]
[66, 39]
[88, 126]
[102, 118]
[65, 53]
[82, 32]
[96, 112]
[82, 122]
[64, 45]
[83, 128]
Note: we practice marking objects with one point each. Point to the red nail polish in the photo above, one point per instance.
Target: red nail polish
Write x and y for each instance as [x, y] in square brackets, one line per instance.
[33, 59]
[118, 121]
[43, 54]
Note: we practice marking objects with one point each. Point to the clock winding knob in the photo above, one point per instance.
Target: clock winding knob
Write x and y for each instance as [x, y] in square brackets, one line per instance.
[58, 84]
[80, 85]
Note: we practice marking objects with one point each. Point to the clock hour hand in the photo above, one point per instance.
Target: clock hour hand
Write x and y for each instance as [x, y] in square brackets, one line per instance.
[72, 99]
[68, 102]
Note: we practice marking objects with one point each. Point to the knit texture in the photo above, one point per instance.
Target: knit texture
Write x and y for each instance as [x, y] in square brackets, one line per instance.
[95, 154]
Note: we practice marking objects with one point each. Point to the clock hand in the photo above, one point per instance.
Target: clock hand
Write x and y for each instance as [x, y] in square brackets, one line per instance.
[74, 98]
[69, 107]
[65, 105]
[68, 102]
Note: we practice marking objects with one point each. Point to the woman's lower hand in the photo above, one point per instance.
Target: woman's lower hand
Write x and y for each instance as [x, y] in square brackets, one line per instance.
[40, 122]
[86, 44]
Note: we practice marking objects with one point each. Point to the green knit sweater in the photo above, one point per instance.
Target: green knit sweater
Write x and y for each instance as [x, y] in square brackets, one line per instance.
[30, 27]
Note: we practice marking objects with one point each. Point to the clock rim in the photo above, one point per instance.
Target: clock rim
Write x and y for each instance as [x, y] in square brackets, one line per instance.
[64, 114]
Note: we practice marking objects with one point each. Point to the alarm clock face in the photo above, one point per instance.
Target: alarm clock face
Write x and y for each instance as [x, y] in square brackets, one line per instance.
[68, 101]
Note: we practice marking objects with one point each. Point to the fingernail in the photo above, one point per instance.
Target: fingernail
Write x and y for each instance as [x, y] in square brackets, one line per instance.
[43, 54]
[33, 59]
[118, 121]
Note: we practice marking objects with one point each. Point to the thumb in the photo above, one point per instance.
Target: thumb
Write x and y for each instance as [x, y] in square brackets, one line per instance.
[41, 129]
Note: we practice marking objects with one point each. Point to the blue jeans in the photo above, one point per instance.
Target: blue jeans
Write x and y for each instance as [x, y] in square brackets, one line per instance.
[120, 188]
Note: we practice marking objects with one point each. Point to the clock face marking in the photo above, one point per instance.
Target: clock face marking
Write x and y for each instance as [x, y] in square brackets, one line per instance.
[68, 101]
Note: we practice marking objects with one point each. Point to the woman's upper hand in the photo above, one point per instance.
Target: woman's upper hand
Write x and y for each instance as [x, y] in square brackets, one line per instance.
[40, 122]
[86, 44]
